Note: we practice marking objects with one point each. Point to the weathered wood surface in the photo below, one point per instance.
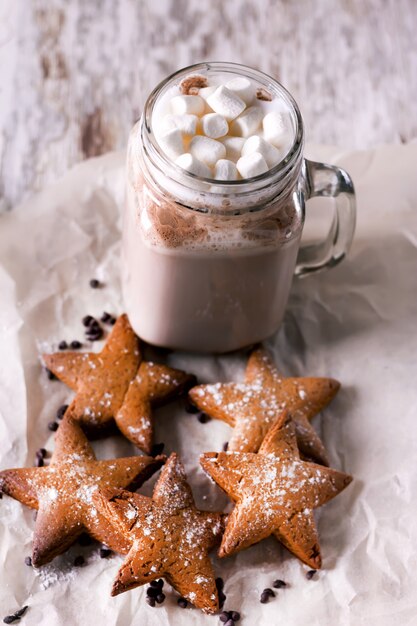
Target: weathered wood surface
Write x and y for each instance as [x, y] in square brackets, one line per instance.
[74, 74]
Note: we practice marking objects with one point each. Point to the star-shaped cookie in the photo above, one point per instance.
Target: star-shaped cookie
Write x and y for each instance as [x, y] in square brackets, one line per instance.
[62, 492]
[171, 537]
[272, 493]
[117, 386]
[253, 406]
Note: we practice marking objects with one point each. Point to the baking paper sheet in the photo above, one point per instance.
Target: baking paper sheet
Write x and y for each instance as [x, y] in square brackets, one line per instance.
[357, 323]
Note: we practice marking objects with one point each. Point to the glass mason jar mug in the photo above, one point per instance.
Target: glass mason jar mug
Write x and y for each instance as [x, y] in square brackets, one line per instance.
[207, 264]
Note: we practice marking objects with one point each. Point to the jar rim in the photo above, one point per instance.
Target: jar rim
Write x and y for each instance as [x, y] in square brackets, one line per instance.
[242, 186]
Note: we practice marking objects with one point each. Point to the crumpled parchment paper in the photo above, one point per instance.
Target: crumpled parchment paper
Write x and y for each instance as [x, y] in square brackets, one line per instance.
[357, 323]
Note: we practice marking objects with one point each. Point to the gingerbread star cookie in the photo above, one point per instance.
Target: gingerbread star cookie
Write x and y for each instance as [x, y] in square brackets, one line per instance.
[252, 407]
[117, 386]
[62, 492]
[270, 491]
[171, 537]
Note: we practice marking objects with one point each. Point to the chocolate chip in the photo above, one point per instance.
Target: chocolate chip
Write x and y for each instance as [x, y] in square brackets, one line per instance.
[190, 407]
[112, 321]
[182, 602]
[266, 595]
[50, 375]
[79, 560]
[94, 283]
[150, 601]
[40, 453]
[94, 333]
[152, 592]
[75, 344]
[104, 553]
[225, 446]
[203, 418]
[279, 584]
[157, 448]
[229, 622]
[28, 561]
[224, 616]
[62, 345]
[235, 615]
[222, 599]
[53, 426]
[10, 619]
[160, 598]
[157, 584]
[87, 320]
[1, 494]
[61, 411]
[106, 317]
[219, 583]
[310, 574]
[84, 540]
[39, 461]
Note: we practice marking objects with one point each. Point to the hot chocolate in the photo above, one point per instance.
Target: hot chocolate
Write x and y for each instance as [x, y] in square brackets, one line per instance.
[214, 209]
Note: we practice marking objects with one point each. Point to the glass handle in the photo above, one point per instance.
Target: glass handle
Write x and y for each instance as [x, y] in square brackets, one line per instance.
[328, 181]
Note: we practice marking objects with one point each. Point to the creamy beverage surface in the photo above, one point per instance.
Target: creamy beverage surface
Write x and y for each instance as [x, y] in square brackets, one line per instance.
[205, 266]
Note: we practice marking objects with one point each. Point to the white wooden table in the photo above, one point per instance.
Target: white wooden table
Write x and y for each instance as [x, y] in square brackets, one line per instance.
[74, 74]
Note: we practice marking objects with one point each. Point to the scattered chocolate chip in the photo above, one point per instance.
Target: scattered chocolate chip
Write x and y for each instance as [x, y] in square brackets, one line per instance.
[279, 584]
[75, 344]
[182, 602]
[203, 418]
[157, 448]
[10, 619]
[112, 321]
[190, 407]
[40, 453]
[160, 598]
[158, 584]
[61, 411]
[152, 592]
[224, 616]
[266, 595]
[219, 583]
[310, 574]
[222, 599]
[104, 553]
[50, 375]
[94, 283]
[39, 461]
[94, 333]
[28, 561]
[235, 615]
[150, 601]
[229, 622]
[106, 317]
[84, 540]
[53, 426]
[79, 560]
[87, 320]
[225, 446]
[62, 345]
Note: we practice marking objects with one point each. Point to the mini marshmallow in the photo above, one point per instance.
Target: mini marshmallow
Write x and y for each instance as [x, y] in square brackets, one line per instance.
[172, 143]
[214, 125]
[205, 92]
[256, 144]
[251, 165]
[225, 170]
[226, 102]
[243, 88]
[247, 123]
[276, 127]
[188, 162]
[187, 104]
[207, 150]
[233, 147]
[186, 123]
